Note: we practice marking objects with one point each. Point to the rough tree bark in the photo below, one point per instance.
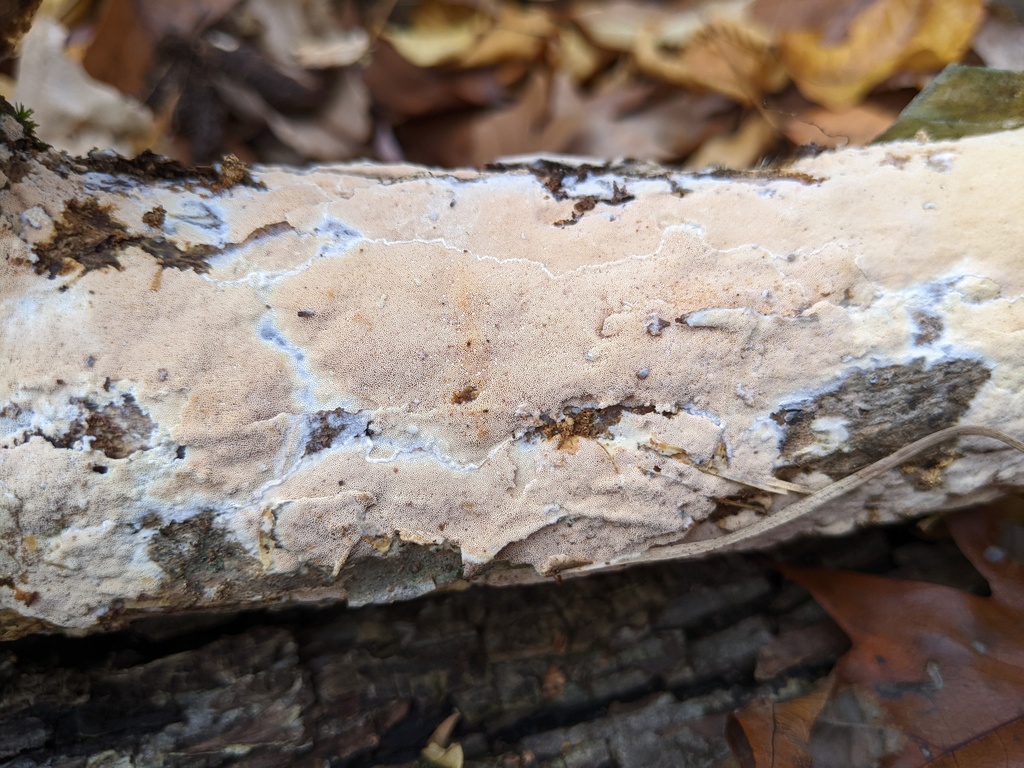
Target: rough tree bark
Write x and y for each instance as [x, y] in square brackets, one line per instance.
[234, 386]
[638, 668]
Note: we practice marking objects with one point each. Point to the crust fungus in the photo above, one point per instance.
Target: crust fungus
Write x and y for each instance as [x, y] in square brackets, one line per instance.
[333, 384]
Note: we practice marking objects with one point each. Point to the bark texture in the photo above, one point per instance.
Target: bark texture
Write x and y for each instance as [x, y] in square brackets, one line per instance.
[638, 668]
[227, 387]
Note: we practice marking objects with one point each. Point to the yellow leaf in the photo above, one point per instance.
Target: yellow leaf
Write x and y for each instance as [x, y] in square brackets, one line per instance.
[576, 55]
[739, 150]
[517, 34]
[336, 49]
[451, 33]
[439, 752]
[888, 36]
[439, 34]
[442, 735]
[443, 757]
[615, 25]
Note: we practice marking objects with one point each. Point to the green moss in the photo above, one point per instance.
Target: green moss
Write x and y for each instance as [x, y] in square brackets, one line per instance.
[962, 101]
[23, 115]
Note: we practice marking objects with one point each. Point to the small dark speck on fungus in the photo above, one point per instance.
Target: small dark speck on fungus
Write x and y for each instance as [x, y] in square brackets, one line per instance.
[465, 395]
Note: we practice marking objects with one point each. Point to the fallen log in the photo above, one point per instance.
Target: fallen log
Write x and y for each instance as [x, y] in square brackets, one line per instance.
[639, 667]
[230, 386]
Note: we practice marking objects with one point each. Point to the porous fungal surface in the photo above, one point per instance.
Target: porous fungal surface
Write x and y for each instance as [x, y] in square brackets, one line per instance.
[363, 383]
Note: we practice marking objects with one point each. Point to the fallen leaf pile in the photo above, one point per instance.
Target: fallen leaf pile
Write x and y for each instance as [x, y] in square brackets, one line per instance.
[935, 675]
[463, 82]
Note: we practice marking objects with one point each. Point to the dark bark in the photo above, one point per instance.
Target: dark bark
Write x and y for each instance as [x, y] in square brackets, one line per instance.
[623, 669]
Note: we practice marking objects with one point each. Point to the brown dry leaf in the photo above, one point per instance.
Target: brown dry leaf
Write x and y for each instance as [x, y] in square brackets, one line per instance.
[546, 117]
[127, 31]
[935, 675]
[804, 647]
[405, 90]
[630, 119]
[993, 540]
[338, 131]
[783, 729]
[886, 37]
[716, 47]
[852, 126]
[122, 50]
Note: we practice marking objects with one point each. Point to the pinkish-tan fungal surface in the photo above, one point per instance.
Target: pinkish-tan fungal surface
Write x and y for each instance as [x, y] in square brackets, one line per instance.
[363, 383]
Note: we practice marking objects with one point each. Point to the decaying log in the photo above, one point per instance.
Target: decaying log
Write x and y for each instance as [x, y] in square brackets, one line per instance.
[231, 386]
[637, 668]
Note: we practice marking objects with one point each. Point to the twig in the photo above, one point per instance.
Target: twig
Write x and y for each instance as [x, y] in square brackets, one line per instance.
[807, 505]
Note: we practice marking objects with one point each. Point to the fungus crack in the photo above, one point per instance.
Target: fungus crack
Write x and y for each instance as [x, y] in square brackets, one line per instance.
[116, 429]
[585, 422]
[553, 174]
[589, 202]
[329, 429]
[87, 235]
[556, 177]
[149, 167]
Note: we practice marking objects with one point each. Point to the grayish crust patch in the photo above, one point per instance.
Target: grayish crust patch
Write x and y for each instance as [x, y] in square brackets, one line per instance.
[883, 410]
[117, 429]
[929, 327]
[406, 571]
[198, 558]
[203, 564]
[326, 428]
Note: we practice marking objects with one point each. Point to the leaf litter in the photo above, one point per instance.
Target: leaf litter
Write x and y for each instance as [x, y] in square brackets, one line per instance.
[729, 83]
[934, 677]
